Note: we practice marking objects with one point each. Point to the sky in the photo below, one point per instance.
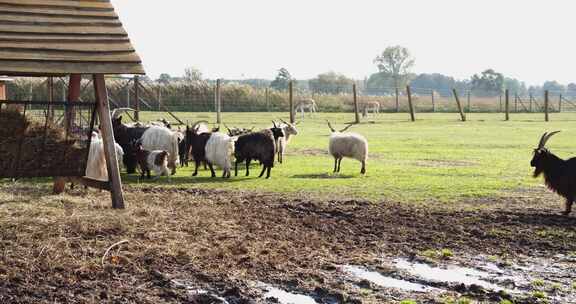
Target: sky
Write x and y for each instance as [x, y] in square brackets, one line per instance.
[531, 40]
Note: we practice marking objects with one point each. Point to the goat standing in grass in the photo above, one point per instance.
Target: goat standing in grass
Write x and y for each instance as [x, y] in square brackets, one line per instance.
[156, 161]
[347, 144]
[559, 174]
[219, 151]
[259, 146]
[282, 142]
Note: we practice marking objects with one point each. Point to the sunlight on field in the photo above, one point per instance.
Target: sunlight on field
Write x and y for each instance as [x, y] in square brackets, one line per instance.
[435, 158]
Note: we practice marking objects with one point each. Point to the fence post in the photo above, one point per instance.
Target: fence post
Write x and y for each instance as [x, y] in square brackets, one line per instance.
[217, 102]
[291, 101]
[500, 102]
[462, 115]
[50, 99]
[266, 99]
[530, 106]
[409, 93]
[560, 103]
[356, 114]
[433, 103]
[397, 100]
[136, 98]
[546, 105]
[128, 93]
[507, 104]
[159, 97]
[515, 102]
[468, 101]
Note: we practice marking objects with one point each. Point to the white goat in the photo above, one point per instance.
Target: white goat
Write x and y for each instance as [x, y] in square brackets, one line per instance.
[219, 151]
[348, 144]
[162, 138]
[282, 142]
[96, 167]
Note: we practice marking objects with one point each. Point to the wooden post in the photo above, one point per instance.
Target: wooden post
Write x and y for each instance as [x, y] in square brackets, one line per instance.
[560, 103]
[410, 103]
[50, 99]
[530, 104]
[515, 103]
[217, 102]
[128, 93]
[108, 140]
[433, 102]
[356, 114]
[266, 99]
[500, 102]
[73, 95]
[468, 101]
[291, 102]
[397, 100]
[507, 104]
[159, 97]
[136, 98]
[462, 115]
[546, 118]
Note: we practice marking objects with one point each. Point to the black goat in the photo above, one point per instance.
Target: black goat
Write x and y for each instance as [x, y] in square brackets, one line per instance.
[197, 143]
[259, 146]
[559, 174]
[125, 137]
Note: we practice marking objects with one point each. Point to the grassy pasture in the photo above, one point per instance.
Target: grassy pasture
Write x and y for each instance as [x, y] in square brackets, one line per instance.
[435, 158]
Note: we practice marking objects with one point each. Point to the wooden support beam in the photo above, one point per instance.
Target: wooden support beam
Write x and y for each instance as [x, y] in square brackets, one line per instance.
[217, 102]
[73, 95]
[507, 104]
[546, 105]
[108, 140]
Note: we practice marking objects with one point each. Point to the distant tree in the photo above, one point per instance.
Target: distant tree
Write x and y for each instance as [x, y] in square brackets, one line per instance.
[192, 74]
[330, 82]
[395, 62]
[164, 78]
[436, 82]
[380, 81]
[553, 86]
[488, 83]
[282, 80]
[515, 86]
[571, 89]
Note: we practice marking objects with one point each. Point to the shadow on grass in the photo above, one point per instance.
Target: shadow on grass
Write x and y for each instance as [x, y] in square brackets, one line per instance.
[176, 180]
[323, 176]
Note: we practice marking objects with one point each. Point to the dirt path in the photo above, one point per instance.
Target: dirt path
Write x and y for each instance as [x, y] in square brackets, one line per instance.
[184, 240]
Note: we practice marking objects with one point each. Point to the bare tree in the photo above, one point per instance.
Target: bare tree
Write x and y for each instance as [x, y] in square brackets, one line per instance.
[396, 62]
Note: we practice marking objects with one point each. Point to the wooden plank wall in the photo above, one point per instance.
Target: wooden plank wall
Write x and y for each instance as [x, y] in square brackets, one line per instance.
[52, 37]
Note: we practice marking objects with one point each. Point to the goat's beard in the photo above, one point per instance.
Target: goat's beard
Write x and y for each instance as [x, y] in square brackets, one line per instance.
[537, 172]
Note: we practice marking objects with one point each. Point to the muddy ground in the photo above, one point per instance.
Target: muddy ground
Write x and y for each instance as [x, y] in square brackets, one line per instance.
[198, 246]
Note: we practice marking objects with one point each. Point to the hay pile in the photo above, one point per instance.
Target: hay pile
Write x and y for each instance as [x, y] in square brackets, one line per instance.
[36, 149]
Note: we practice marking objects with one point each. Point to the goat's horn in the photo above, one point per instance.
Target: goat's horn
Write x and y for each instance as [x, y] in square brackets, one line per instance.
[541, 142]
[198, 122]
[118, 111]
[348, 126]
[282, 120]
[548, 137]
[225, 126]
[274, 123]
[330, 126]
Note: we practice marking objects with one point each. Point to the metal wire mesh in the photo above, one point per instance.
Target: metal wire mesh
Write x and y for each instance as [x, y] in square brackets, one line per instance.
[44, 139]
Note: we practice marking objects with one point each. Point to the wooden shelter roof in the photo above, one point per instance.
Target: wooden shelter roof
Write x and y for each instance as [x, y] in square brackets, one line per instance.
[56, 37]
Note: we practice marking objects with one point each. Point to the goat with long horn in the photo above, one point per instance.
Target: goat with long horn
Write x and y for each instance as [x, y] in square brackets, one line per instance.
[347, 144]
[559, 174]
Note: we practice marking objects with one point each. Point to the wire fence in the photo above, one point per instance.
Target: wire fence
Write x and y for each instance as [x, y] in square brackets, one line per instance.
[200, 96]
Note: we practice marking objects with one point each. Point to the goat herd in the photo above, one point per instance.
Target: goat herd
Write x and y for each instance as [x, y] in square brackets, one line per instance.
[156, 147]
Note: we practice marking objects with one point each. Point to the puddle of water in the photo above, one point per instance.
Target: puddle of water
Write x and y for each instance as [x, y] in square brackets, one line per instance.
[384, 281]
[200, 292]
[283, 296]
[454, 274]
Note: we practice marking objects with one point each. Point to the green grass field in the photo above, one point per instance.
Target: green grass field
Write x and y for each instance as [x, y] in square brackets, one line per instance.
[437, 157]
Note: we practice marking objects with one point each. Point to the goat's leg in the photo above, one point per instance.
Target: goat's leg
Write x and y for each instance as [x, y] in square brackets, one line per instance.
[263, 170]
[248, 166]
[236, 167]
[268, 172]
[339, 163]
[363, 170]
[335, 164]
[211, 169]
[196, 165]
[148, 173]
[568, 206]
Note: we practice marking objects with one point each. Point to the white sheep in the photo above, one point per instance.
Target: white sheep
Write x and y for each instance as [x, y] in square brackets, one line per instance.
[219, 151]
[164, 139]
[282, 142]
[96, 166]
[347, 144]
